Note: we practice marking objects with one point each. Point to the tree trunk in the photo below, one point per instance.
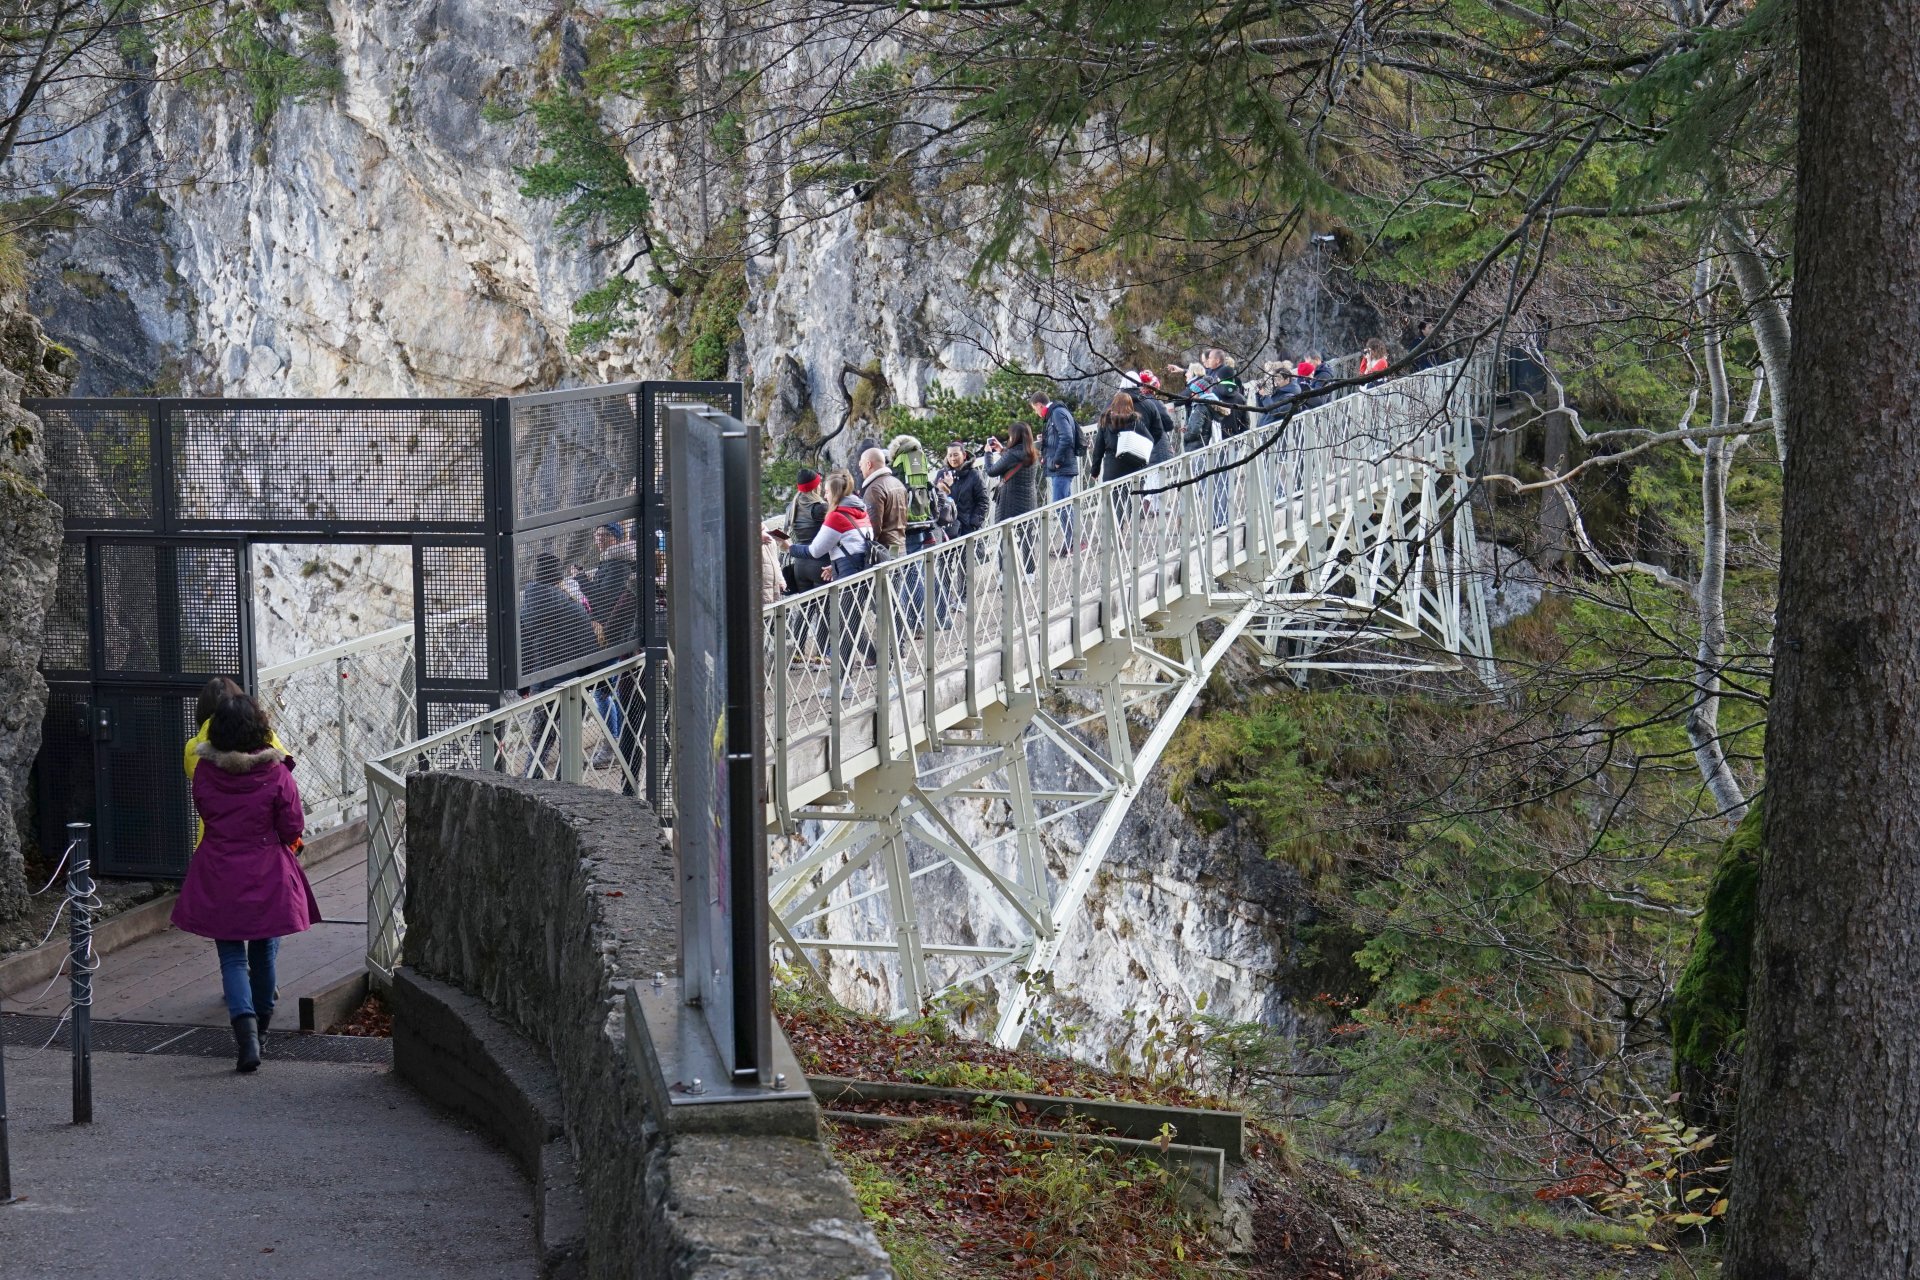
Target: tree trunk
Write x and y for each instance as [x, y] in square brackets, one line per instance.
[1710, 593]
[1826, 1180]
[1768, 315]
[1554, 533]
[1703, 717]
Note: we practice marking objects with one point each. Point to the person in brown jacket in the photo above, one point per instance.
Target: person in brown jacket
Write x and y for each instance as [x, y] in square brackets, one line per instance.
[886, 499]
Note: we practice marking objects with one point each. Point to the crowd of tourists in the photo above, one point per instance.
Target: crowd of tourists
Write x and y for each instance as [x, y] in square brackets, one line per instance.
[896, 500]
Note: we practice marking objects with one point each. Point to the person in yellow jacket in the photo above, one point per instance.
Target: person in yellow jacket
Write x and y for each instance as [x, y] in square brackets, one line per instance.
[210, 694]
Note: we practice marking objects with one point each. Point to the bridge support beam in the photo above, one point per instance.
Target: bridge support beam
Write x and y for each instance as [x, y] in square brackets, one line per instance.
[965, 812]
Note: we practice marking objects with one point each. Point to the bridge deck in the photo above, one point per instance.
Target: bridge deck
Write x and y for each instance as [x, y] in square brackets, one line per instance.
[1004, 608]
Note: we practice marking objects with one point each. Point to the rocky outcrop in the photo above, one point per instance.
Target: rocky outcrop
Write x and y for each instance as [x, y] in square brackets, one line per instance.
[375, 243]
[30, 532]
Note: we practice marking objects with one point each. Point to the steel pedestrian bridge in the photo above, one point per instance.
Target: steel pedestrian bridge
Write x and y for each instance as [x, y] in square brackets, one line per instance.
[922, 714]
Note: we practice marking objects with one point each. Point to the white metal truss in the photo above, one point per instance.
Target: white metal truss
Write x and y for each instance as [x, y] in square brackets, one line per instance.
[913, 708]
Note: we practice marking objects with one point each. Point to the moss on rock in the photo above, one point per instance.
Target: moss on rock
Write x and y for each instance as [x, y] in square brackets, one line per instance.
[1708, 1016]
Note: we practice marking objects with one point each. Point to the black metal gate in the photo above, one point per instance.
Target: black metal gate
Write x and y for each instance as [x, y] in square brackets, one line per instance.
[164, 498]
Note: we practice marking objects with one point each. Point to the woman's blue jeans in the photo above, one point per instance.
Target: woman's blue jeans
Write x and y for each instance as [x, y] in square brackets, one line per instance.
[247, 977]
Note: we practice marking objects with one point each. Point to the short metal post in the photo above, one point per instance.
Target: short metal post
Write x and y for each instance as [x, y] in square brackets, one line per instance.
[80, 961]
[571, 707]
[341, 668]
[6, 1160]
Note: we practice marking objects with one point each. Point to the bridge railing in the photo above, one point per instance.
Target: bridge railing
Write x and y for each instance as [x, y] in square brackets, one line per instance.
[585, 730]
[947, 631]
[339, 706]
[864, 667]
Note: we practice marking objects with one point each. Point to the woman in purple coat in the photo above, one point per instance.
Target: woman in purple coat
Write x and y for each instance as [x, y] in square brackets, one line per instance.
[244, 887]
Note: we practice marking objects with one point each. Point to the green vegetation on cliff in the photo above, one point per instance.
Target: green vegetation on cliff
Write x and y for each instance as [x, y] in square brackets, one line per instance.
[1708, 1016]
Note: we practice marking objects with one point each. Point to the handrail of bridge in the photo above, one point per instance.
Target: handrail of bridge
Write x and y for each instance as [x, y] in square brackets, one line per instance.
[1339, 538]
[585, 730]
[949, 629]
[943, 610]
[339, 705]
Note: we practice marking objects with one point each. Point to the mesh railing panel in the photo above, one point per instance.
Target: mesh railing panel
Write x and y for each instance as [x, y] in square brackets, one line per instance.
[64, 645]
[589, 730]
[571, 450]
[339, 708]
[100, 461]
[328, 462]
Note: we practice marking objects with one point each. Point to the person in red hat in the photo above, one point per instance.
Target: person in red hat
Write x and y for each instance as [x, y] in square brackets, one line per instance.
[1154, 418]
[804, 571]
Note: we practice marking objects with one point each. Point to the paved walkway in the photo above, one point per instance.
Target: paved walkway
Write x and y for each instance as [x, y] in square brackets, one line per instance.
[175, 977]
[300, 1171]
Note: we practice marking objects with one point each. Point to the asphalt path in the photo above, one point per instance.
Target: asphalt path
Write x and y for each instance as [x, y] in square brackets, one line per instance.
[299, 1170]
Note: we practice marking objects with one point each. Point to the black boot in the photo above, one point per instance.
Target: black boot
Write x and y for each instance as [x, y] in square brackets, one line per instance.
[265, 1020]
[246, 1042]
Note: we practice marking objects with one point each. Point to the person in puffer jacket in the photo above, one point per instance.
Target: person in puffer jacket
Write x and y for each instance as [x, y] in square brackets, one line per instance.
[843, 541]
[245, 888]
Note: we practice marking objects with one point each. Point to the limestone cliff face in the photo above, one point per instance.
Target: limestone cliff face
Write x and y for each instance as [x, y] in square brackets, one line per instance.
[30, 532]
[374, 243]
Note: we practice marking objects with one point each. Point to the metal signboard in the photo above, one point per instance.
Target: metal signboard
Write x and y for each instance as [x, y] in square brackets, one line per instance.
[713, 552]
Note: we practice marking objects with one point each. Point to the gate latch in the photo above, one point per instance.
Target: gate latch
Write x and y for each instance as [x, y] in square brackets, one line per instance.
[102, 723]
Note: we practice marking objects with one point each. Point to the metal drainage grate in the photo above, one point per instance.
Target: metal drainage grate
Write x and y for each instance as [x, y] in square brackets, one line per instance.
[33, 1030]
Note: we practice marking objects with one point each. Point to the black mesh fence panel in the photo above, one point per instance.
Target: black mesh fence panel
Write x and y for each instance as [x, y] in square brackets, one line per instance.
[170, 610]
[130, 606]
[345, 463]
[453, 612]
[577, 598]
[100, 460]
[146, 811]
[572, 450]
[64, 647]
[445, 715]
[208, 582]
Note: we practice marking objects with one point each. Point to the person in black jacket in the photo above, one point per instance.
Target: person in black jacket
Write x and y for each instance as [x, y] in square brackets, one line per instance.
[1224, 381]
[804, 516]
[961, 484]
[961, 481]
[804, 570]
[1144, 387]
[1278, 390]
[1109, 458]
[1017, 467]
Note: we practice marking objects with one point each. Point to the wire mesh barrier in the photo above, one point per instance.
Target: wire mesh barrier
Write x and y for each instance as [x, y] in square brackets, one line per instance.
[1339, 523]
[336, 709]
[590, 730]
[497, 498]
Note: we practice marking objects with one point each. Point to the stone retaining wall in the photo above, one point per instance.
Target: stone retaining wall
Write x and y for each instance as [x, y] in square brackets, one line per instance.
[543, 901]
